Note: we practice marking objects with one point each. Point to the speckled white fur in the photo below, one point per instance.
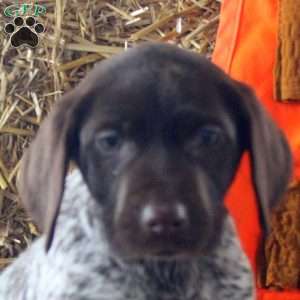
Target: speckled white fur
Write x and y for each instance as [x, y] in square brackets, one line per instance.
[80, 266]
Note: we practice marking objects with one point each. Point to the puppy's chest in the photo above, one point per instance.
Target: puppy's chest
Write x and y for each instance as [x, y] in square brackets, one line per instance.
[168, 281]
[109, 281]
[152, 281]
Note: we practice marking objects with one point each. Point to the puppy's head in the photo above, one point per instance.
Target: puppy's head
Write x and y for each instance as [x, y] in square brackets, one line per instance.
[157, 133]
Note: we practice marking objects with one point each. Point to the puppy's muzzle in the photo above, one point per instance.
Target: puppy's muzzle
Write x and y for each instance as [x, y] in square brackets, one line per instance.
[159, 220]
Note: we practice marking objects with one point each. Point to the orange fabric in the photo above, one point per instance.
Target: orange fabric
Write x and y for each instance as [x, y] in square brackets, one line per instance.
[268, 295]
[246, 48]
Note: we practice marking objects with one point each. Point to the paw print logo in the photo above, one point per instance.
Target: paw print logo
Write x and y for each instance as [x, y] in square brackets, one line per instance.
[24, 31]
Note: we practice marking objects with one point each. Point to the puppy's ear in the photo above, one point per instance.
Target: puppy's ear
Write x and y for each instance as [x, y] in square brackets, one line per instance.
[271, 159]
[45, 163]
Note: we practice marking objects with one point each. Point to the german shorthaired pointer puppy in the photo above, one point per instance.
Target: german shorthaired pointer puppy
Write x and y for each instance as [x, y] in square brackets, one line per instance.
[157, 134]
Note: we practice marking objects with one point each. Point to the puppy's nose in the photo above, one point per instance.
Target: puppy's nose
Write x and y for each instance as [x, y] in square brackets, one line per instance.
[164, 220]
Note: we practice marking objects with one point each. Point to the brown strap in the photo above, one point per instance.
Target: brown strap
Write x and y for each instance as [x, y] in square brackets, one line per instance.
[283, 244]
[287, 66]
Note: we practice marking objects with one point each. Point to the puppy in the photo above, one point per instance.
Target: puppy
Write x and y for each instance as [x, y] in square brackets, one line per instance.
[157, 134]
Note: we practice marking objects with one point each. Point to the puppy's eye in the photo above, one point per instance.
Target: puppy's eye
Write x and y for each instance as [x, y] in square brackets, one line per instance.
[208, 135]
[204, 138]
[108, 141]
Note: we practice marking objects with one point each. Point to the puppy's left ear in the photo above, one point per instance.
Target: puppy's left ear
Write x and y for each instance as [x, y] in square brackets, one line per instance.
[271, 159]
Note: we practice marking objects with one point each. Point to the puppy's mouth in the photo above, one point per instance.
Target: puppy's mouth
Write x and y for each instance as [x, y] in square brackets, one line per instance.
[172, 249]
[171, 255]
[162, 255]
[167, 253]
[160, 250]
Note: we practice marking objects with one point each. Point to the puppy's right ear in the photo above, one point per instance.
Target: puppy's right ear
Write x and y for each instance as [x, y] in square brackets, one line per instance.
[44, 165]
